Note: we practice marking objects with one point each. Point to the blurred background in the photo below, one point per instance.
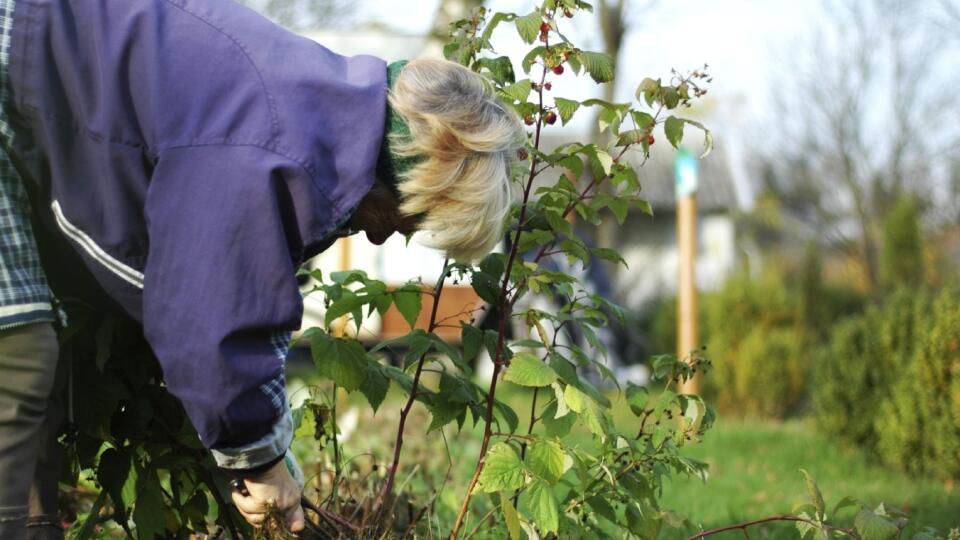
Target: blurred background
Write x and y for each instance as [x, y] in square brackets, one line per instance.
[828, 227]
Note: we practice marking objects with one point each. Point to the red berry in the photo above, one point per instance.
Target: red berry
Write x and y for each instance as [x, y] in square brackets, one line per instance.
[528, 120]
[567, 13]
[650, 140]
[547, 86]
[522, 154]
[551, 117]
[558, 69]
[544, 27]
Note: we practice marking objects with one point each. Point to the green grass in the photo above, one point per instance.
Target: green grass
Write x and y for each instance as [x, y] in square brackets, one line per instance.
[754, 469]
[754, 473]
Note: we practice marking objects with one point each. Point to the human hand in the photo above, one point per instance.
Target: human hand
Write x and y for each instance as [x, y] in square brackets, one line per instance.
[279, 486]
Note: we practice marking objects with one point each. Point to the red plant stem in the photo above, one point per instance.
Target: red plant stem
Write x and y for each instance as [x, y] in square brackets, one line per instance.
[506, 306]
[744, 525]
[398, 445]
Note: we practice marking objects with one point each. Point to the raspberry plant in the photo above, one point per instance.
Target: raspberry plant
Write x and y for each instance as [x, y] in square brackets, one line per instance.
[539, 481]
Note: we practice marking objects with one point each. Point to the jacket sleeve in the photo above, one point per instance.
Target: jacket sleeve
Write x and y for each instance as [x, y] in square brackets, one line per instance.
[220, 295]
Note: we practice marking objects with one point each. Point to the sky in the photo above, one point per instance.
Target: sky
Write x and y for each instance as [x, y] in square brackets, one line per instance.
[747, 44]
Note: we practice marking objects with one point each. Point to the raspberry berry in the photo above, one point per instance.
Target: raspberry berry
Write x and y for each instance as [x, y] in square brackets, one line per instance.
[558, 69]
[551, 117]
[547, 86]
[528, 120]
[650, 140]
[544, 27]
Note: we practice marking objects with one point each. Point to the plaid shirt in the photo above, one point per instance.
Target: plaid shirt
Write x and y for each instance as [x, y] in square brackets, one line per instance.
[24, 295]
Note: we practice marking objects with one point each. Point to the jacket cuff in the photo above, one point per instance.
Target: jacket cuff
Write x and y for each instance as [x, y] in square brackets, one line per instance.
[266, 450]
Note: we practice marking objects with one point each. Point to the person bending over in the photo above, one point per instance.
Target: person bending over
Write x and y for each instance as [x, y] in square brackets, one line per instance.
[183, 157]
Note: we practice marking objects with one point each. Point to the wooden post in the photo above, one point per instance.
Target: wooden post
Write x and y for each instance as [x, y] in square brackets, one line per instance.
[687, 294]
[686, 173]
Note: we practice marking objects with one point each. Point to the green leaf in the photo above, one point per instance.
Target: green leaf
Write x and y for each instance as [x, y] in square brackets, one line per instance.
[671, 98]
[642, 119]
[442, 412]
[408, 300]
[528, 370]
[870, 526]
[348, 303]
[519, 91]
[707, 137]
[637, 398]
[566, 108]
[557, 426]
[647, 85]
[844, 503]
[619, 207]
[600, 505]
[472, 339]
[510, 516]
[494, 21]
[805, 527]
[502, 470]
[340, 360]
[112, 473]
[542, 506]
[546, 459]
[148, 512]
[673, 127]
[815, 496]
[528, 26]
[375, 386]
[598, 65]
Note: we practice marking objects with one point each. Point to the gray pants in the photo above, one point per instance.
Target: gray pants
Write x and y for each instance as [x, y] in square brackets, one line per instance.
[28, 492]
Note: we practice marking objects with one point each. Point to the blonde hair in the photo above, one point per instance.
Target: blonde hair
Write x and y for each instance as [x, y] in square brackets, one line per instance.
[466, 139]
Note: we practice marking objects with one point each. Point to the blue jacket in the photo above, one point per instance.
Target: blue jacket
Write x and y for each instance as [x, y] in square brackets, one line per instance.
[193, 154]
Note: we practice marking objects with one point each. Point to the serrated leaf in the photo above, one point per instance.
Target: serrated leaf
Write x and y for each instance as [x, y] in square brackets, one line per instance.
[647, 85]
[557, 425]
[543, 507]
[566, 108]
[528, 26]
[707, 137]
[805, 527]
[340, 360]
[408, 300]
[815, 496]
[671, 98]
[546, 459]
[845, 502]
[375, 386]
[870, 526]
[598, 65]
[510, 516]
[528, 370]
[472, 339]
[149, 520]
[112, 472]
[642, 119]
[519, 90]
[673, 127]
[637, 398]
[502, 470]
[600, 505]
[619, 207]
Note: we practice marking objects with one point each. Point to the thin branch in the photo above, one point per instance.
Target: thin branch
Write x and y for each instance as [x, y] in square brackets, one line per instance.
[398, 445]
[744, 525]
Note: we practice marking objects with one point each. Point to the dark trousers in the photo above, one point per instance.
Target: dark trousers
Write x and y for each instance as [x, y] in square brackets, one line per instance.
[29, 421]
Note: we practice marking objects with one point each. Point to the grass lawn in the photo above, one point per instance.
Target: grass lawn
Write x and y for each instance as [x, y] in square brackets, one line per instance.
[753, 474]
[753, 469]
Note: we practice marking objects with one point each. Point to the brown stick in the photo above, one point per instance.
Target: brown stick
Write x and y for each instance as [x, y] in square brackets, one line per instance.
[398, 445]
[744, 525]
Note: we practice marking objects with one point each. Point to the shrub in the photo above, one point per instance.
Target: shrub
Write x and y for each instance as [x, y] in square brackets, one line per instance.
[889, 381]
[755, 347]
[919, 425]
[902, 255]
